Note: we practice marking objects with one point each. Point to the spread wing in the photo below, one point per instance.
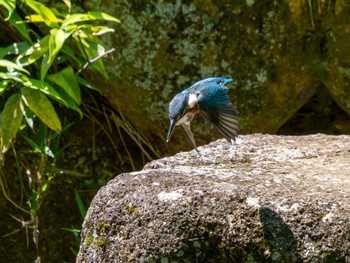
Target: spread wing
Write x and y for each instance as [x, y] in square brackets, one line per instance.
[218, 109]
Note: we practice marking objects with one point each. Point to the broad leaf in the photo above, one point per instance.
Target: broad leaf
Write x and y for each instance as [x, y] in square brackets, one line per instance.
[56, 42]
[11, 119]
[34, 53]
[90, 16]
[14, 49]
[8, 64]
[42, 107]
[67, 80]
[70, 103]
[45, 88]
[48, 16]
[58, 95]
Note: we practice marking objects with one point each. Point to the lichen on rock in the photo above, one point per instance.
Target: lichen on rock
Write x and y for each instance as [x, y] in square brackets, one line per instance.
[265, 198]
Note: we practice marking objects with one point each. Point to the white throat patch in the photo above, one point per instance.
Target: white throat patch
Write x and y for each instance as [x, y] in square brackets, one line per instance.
[192, 100]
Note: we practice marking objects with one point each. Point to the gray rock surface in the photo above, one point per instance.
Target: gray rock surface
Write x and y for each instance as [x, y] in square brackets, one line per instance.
[266, 198]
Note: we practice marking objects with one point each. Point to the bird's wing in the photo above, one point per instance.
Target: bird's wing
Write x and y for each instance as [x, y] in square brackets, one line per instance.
[225, 119]
[218, 109]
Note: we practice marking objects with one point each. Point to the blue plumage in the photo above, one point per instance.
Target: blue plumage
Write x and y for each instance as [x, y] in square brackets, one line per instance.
[208, 97]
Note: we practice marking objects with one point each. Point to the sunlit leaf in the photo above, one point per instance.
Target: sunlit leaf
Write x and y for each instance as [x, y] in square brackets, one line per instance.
[34, 53]
[45, 88]
[58, 95]
[10, 75]
[90, 16]
[11, 119]
[48, 16]
[8, 64]
[56, 42]
[68, 4]
[34, 18]
[10, 6]
[42, 107]
[67, 80]
[97, 30]
[29, 117]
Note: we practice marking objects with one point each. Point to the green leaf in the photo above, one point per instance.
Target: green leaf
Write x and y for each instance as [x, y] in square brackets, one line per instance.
[89, 16]
[10, 6]
[11, 119]
[15, 48]
[42, 107]
[80, 203]
[88, 84]
[67, 80]
[56, 42]
[94, 50]
[16, 76]
[49, 17]
[34, 19]
[36, 148]
[21, 28]
[8, 64]
[45, 88]
[70, 103]
[68, 4]
[58, 95]
[69, 52]
[3, 85]
[34, 53]
[97, 30]
[45, 66]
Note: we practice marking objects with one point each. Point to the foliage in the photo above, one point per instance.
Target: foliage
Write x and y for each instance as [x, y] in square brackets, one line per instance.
[38, 74]
[31, 88]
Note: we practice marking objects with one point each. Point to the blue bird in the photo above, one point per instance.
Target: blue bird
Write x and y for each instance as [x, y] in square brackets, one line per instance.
[209, 98]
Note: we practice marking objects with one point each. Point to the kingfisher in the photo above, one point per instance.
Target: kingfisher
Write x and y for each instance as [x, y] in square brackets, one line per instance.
[209, 98]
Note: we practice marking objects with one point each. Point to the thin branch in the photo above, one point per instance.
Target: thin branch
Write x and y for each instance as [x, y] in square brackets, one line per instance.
[88, 60]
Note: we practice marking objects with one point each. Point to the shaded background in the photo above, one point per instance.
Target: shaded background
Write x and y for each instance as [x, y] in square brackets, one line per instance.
[291, 65]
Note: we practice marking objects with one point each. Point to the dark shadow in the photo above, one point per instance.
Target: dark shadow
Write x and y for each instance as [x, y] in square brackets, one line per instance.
[278, 237]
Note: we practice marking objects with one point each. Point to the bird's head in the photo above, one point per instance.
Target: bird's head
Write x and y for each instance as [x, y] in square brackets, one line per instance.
[177, 109]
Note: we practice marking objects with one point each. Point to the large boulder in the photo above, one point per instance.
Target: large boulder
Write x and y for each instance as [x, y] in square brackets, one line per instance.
[265, 198]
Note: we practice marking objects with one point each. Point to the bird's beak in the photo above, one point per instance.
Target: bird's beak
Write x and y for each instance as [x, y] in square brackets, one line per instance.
[171, 129]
